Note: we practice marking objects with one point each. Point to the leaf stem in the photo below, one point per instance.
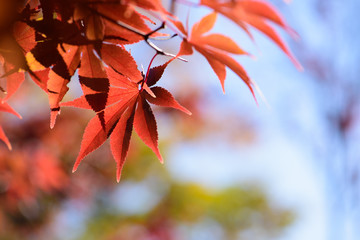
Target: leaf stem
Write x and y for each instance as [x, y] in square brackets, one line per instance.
[147, 72]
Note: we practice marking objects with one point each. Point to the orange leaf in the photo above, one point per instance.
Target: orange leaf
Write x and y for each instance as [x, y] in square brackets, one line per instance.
[218, 67]
[5, 107]
[120, 139]
[57, 84]
[164, 99]
[94, 81]
[213, 49]
[120, 60]
[95, 134]
[13, 82]
[4, 138]
[145, 126]
[204, 25]
[221, 42]
[185, 48]
[255, 13]
[270, 32]
[234, 66]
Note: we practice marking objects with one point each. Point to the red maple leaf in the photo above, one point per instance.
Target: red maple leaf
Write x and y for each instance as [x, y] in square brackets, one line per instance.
[127, 107]
[5, 107]
[258, 14]
[215, 48]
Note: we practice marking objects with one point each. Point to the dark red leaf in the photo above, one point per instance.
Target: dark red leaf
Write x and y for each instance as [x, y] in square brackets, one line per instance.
[155, 73]
[164, 99]
[145, 126]
[120, 139]
[94, 81]
[95, 134]
[119, 59]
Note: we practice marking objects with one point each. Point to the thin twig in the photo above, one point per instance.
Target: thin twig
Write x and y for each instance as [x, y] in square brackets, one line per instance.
[146, 36]
[147, 72]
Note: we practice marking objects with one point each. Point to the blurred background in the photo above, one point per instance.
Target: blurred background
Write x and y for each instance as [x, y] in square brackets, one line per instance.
[287, 168]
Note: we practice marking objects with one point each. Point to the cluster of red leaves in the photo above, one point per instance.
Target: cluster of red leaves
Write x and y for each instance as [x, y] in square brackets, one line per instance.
[53, 39]
[27, 174]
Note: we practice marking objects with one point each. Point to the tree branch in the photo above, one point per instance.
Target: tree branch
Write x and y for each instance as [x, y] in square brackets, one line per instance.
[146, 36]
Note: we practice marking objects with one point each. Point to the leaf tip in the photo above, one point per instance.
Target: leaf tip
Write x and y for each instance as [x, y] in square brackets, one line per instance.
[149, 91]
[158, 154]
[77, 163]
[53, 116]
[184, 110]
[118, 174]
[17, 114]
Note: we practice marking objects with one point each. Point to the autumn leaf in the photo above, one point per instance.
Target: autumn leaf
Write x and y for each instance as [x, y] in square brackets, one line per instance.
[95, 135]
[215, 48]
[52, 40]
[13, 81]
[5, 107]
[12, 54]
[145, 126]
[4, 138]
[156, 73]
[59, 77]
[258, 14]
[94, 82]
[164, 99]
[24, 36]
[127, 108]
[120, 139]
[124, 13]
[121, 60]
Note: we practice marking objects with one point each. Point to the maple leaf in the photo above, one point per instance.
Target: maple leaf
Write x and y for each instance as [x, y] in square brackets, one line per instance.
[127, 108]
[5, 107]
[4, 138]
[23, 40]
[121, 60]
[13, 81]
[256, 13]
[52, 39]
[62, 45]
[124, 13]
[53, 65]
[59, 77]
[215, 48]
[94, 81]
[12, 54]
[24, 36]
